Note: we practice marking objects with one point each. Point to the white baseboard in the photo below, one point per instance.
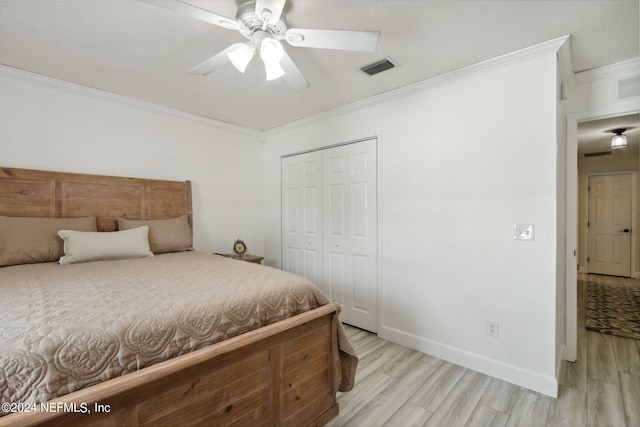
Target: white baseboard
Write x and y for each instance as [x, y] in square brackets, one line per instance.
[488, 366]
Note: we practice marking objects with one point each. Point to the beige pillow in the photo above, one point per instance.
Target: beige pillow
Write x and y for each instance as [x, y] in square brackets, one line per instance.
[165, 235]
[27, 240]
[82, 246]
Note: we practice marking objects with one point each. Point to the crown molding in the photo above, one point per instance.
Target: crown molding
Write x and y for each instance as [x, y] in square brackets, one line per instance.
[34, 78]
[628, 67]
[554, 45]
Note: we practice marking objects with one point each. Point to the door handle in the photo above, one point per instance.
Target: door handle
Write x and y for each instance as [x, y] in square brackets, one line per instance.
[626, 230]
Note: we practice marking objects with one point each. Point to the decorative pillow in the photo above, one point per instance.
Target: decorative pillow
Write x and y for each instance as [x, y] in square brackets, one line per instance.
[28, 240]
[165, 235]
[86, 246]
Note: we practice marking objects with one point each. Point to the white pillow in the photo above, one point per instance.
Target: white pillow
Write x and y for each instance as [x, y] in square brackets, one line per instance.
[82, 246]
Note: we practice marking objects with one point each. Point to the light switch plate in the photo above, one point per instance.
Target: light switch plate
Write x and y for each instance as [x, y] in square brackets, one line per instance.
[524, 232]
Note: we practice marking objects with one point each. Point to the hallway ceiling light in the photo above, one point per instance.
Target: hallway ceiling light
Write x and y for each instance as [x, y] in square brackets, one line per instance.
[619, 140]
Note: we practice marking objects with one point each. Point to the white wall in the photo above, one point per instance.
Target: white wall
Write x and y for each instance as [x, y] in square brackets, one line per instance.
[51, 125]
[462, 161]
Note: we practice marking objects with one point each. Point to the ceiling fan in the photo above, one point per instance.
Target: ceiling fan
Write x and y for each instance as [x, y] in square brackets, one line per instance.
[263, 23]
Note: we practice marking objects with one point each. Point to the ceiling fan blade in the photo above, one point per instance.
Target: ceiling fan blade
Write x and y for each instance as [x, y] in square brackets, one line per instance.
[293, 76]
[360, 41]
[214, 62]
[272, 7]
[195, 12]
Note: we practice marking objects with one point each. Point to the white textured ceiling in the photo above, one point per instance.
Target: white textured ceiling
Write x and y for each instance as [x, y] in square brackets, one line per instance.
[144, 52]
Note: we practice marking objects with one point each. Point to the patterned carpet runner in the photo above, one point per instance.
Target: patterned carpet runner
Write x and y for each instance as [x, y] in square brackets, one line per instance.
[613, 310]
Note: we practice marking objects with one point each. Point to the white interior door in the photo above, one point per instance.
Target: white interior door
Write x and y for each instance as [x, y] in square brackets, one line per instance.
[329, 226]
[302, 215]
[350, 231]
[610, 225]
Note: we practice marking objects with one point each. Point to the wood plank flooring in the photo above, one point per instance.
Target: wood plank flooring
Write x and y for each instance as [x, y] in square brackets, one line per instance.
[397, 386]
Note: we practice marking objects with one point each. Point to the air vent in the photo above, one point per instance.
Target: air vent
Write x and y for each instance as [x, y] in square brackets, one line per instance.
[599, 153]
[378, 67]
[629, 88]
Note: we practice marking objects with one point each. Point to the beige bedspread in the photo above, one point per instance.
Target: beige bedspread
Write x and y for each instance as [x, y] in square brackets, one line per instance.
[63, 328]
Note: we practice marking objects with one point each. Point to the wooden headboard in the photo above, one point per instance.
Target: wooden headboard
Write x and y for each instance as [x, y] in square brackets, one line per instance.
[25, 192]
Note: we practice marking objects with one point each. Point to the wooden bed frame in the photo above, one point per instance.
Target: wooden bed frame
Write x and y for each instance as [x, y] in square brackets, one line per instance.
[286, 373]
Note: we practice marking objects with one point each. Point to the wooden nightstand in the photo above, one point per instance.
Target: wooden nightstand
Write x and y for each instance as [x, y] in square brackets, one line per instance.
[248, 258]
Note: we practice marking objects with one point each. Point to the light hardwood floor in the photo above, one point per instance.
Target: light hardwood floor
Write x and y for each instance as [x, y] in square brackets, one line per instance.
[397, 386]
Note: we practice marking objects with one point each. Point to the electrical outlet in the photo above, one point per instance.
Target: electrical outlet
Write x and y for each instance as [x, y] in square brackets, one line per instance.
[492, 328]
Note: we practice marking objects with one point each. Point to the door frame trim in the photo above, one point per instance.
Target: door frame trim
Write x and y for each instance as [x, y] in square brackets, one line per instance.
[326, 147]
[571, 220]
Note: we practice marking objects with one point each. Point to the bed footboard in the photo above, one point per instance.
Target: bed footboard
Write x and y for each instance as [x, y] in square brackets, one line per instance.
[283, 374]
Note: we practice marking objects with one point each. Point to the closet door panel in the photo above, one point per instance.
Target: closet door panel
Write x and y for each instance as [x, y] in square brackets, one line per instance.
[302, 215]
[336, 211]
[329, 226]
[350, 222]
[335, 279]
[361, 280]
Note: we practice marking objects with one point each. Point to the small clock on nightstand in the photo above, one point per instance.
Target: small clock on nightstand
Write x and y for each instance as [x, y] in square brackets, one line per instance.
[239, 248]
[240, 252]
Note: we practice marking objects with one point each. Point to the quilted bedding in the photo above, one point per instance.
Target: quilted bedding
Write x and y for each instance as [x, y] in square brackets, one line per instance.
[63, 328]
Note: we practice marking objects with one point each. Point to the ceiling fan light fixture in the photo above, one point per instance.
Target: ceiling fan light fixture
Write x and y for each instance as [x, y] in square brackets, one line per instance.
[271, 50]
[619, 140]
[241, 56]
[274, 70]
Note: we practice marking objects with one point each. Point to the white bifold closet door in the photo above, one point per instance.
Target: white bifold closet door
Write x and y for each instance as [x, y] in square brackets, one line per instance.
[302, 215]
[329, 226]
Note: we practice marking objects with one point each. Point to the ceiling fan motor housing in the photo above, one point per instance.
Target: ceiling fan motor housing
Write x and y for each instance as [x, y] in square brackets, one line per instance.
[247, 18]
